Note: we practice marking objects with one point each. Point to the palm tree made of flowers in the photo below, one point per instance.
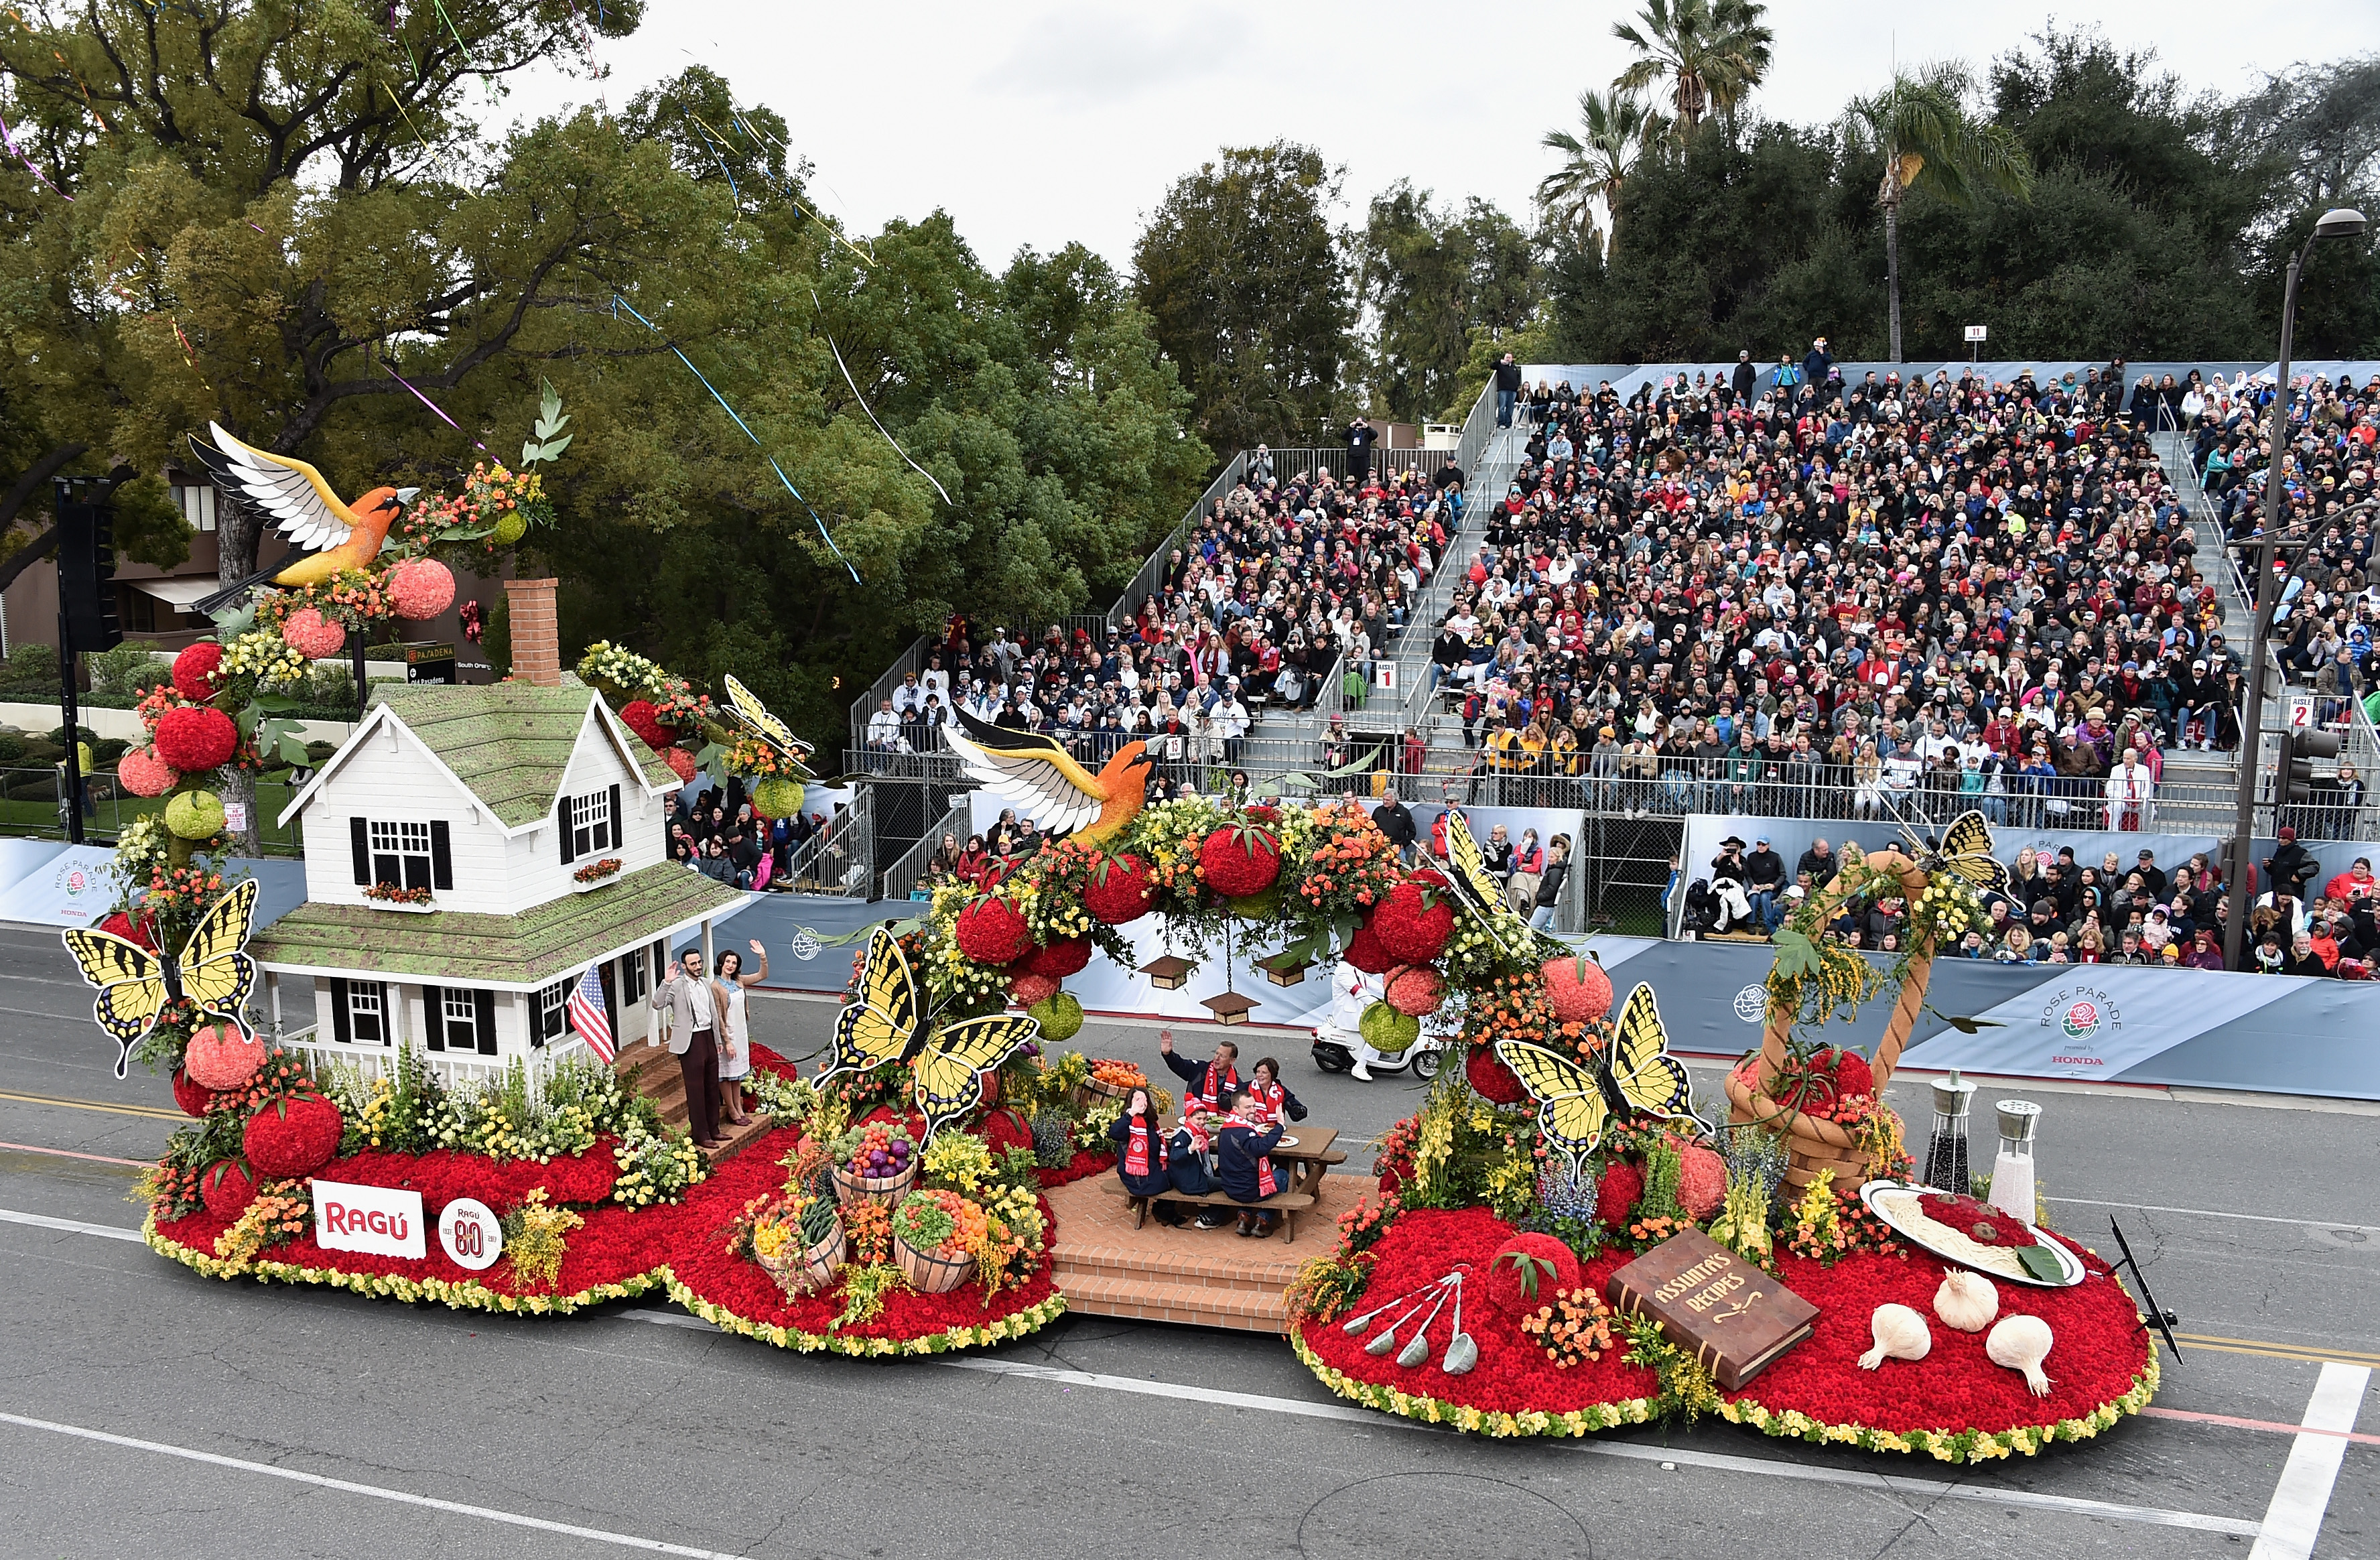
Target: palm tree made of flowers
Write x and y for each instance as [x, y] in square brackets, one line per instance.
[1921, 127]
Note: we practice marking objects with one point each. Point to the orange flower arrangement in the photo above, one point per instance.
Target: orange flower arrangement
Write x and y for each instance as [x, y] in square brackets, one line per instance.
[1350, 866]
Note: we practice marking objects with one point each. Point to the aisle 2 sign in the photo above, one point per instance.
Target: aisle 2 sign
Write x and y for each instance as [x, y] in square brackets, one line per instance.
[382, 1221]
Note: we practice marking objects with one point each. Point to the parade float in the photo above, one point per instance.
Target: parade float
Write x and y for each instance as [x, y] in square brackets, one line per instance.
[1562, 1239]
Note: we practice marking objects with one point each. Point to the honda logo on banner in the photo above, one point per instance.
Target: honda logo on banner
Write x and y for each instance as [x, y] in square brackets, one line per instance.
[382, 1221]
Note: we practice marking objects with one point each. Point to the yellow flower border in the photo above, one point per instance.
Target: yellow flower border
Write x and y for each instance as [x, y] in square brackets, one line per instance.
[470, 1294]
[1947, 1445]
[1951, 1446]
[1480, 1421]
[1015, 1324]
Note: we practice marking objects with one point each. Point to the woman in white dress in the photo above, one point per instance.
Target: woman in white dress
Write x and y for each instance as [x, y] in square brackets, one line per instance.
[736, 1026]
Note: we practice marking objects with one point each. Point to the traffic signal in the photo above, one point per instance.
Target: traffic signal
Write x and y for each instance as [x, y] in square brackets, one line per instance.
[2298, 750]
[87, 565]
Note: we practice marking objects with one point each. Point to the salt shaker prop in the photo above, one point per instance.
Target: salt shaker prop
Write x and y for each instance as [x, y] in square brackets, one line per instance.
[1946, 1151]
[2012, 1170]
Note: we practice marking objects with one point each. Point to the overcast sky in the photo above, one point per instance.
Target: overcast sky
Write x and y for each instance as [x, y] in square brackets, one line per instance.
[1035, 124]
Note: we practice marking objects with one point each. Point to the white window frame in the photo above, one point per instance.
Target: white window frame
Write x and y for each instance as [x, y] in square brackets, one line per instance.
[405, 843]
[457, 1004]
[197, 502]
[550, 1018]
[593, 830]
[367, 1000]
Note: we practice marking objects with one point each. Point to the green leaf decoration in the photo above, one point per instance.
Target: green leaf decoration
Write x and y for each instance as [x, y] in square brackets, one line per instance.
[2041, 1263]
[529, 453]
[1529, 1266]
[1796, 954]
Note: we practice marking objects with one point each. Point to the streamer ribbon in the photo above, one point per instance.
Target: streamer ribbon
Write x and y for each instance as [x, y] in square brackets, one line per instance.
[34, 168]
[433, 407]
[863, 402]
[619, 303]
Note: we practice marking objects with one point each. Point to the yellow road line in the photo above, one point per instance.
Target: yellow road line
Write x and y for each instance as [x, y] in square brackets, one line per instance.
[95, 1105]
[2276, 1351]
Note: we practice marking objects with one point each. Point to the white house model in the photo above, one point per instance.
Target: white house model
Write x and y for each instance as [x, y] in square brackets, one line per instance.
[470, 853]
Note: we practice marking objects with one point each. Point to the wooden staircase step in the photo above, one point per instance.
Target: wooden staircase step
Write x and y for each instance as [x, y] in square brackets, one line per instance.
[1181, 1305]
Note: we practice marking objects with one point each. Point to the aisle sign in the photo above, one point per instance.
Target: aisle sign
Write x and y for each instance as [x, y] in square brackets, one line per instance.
[382, 1221]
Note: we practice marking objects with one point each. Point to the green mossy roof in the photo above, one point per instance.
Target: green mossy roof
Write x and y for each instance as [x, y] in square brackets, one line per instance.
[530, 949]
[509, 742]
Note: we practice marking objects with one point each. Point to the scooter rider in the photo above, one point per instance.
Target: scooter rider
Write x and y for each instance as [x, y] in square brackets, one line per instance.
[1351, 991]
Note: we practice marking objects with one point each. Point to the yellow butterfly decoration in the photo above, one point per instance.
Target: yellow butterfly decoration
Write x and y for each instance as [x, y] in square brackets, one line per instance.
[950, 1070]
[136, 985]
[882, 1023]
[1577, 1105]
[1966, 852]
[1479, 888]
[766, 726]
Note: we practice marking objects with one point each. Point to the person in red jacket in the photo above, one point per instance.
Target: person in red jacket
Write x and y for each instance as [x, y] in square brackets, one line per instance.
[2356, 882]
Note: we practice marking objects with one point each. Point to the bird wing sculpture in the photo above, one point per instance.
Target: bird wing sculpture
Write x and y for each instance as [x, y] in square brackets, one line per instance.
[1043, 779]
[329, 534]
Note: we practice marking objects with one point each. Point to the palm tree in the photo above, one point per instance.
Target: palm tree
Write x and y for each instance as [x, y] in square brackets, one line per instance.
[1711, 52]
[1618, 125]
[1921, 126]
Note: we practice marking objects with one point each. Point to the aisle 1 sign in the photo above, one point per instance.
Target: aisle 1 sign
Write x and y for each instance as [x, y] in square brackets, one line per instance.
[382, 1221]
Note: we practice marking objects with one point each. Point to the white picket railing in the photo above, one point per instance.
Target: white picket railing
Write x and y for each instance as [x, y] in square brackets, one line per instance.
[455, 1069]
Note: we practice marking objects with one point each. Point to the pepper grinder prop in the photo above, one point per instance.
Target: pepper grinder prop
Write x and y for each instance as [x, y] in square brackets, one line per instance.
[2012, 1182]
[1946, 1151]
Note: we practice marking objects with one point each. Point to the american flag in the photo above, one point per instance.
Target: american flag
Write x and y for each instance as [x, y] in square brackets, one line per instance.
[586, 1009]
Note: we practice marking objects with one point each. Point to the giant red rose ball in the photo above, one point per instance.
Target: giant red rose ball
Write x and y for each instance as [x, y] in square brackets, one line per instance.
[1578, 989]
[1367, 953]
[288, 1139]
[1120, 890]
[1068, 955]
[1239, 862]
[194, 670]
[638, 716]
[992, 931]
[1491, 1079]
[225, 1189]
[195, 738]
[1413, 922]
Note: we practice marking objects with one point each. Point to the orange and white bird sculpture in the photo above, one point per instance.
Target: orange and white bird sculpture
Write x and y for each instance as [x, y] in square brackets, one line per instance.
[1043, 780]
[331, 535]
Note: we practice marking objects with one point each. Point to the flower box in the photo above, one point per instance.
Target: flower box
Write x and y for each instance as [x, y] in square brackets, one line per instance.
[577, 887]
[595, 875]
[887, 1189]
[409, 907]
[930, 1273]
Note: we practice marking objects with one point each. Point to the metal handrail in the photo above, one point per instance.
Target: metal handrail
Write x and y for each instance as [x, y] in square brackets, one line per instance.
[902, 877]
[913, 659]
[840, 859]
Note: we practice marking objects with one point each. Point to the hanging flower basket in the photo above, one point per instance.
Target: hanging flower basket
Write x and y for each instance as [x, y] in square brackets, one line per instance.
[931, 1272]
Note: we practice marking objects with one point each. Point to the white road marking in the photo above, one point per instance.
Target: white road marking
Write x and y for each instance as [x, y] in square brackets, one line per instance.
[72, 1226]
[2301, 1499]
[1929, 1489]
[1899, 1484]
[347, 1486]
[2212, 1213]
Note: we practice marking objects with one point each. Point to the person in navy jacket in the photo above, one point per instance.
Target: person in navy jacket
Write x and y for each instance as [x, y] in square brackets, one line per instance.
[1208, 1083]
[1143, 1153]
[1243, 1163]
[1264, 1082]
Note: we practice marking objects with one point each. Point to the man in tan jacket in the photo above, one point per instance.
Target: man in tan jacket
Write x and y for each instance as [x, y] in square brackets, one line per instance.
[691, 1000]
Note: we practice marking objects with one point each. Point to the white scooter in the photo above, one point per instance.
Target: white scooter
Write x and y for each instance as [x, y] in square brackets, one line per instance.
[1339, 1040]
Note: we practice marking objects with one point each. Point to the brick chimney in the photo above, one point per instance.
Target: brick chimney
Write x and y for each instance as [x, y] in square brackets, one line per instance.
[536, 635]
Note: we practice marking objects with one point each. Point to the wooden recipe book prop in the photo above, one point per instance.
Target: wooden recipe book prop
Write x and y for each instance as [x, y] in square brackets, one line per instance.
[1734, 1317]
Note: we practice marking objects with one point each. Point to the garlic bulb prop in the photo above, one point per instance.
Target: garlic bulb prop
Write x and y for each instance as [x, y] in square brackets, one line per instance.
[2022, 1343]
[1966, 1300]
[1900, 1334]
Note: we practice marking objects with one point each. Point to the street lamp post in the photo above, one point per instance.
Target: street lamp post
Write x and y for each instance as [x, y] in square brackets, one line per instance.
[2338, 223]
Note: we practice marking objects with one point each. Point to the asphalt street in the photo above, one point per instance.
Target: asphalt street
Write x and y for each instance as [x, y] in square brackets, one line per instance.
[147, 1411]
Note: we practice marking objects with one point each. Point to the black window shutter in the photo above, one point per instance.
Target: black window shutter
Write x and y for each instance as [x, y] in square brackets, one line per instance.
[441, 854]
[486, 1004]
[339, 1010]
[359, 840]
[433, 1017]
[562, 814]
[615, 819]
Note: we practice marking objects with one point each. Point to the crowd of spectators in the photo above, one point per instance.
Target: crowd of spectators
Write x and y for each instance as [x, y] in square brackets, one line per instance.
[716, 832]
[1801, 598]
[1285, 584]
[2329, 596]
[2062, 910]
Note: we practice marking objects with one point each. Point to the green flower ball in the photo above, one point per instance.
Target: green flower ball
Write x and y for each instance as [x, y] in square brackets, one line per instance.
[195, 815]
[1061, 1016]
[511, 528]
[1386, 1030]
[1261, 906]
[777, 797]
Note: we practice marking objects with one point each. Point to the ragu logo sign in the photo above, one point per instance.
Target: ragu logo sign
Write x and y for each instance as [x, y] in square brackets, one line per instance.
[2082, 1013]
[382, 1221]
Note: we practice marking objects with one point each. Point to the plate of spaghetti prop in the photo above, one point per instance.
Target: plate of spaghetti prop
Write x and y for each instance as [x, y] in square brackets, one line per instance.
[1973, 1234]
